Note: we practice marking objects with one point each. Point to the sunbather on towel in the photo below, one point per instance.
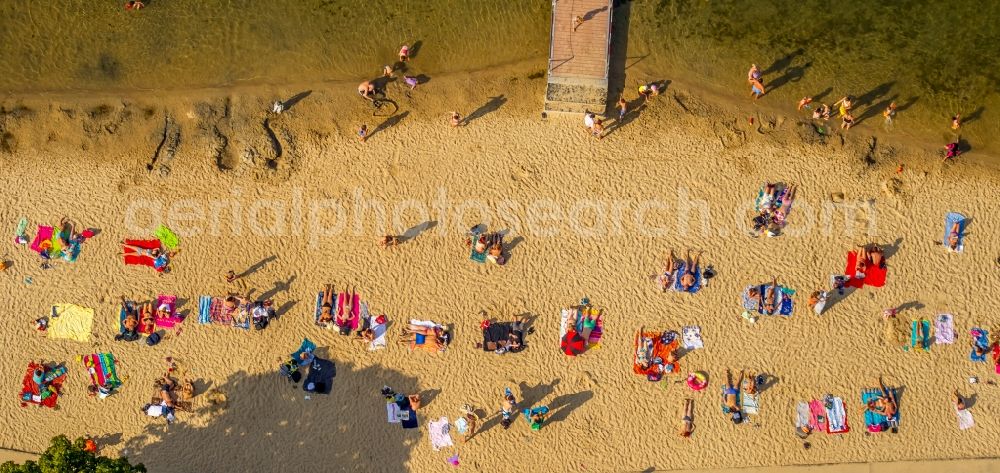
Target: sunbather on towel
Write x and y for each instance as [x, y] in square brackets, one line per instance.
[590, 315]
[787, 197]
[750, 384]
[666, 279]
[871, 255]
[770, 302]
[166, 386]
[885, 404]
[954, 236]
[148, 318]
[958, 401]
[690, 266]
[687, 422]
[767, 200]
[326, 309]
[507, 408]
[760, 222]
[131, 322]
[732, 392]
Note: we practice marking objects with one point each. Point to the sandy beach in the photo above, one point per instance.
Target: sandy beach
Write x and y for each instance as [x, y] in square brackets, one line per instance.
[586, 218]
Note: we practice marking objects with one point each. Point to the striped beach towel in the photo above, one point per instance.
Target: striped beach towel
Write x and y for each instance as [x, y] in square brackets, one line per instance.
[102, 371]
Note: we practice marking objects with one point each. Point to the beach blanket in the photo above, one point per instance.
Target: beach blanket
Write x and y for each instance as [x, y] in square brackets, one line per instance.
[307, 346]
[171, 303]
[319, 380]
[750, 403]
[43, 240]
[817, 416]
[803, 417]
[213, 310]
[71, 322]
[698, 279]
[439, 431]
[949, 221]
[981, 339]
[392, 412]
[965, 420]
[167, 237]
[874, 421]
[131, 257]
[378, 329]
[20, 232]
[944, 329]
[595, 334]
[836, 416]
[692, 337]
[101, 368]
[648, 348]
[351, 318]
[784, 304]
[767, 202]
[122, 314]
[739, 402]
[873, 276]
[920, 334]
[32, 393]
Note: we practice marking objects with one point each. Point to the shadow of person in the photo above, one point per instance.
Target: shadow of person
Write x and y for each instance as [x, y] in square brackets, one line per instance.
[562, 406]
[592, 13]
[268, 424]
[389, 123]
[792, 74]
[492, 105]
[416, 230]
[531, 395]
[871, 96]
[975, 115]
[257, 266]
[279, 287]
[415, 48]
[288, 104]
[876, 109]
[783, 62]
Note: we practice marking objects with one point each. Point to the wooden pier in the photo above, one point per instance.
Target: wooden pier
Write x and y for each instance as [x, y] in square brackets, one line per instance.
[579, 56]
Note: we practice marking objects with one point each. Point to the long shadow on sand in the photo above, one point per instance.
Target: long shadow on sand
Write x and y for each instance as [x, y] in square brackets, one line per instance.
[268, 423]
[492, 105]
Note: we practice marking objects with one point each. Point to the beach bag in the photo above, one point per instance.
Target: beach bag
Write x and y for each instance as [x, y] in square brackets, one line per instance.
[153, 339]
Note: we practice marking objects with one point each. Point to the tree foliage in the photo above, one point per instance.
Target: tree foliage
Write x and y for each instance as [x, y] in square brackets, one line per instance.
[64, 456]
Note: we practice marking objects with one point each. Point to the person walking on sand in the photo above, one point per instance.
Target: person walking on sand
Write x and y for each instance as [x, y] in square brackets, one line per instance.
[889, 113]
[456, 119]
[847, 121]
[622, 108]
[956, 121]
[404, 53]
[845, 104]
[756, 89]
[363, 133]
[577, 21]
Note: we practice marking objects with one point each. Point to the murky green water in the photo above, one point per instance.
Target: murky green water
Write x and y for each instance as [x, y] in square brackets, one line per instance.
[89, 44]
[933, 58]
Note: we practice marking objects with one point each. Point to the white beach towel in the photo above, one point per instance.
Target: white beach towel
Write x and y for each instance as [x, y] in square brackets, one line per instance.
[377, 329]
[392, 412]
[692, 337]
[566, 314]
[802, 414]
[964, 419]
[944, 329]
[440, 433]
[750, 404]
[425, 323]
[837, 416]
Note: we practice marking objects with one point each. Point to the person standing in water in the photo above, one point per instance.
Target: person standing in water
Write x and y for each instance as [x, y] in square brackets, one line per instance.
[845, 104]
[805, 103]
[756, 89]
[956, 121]
[889, 114]
[404, 53]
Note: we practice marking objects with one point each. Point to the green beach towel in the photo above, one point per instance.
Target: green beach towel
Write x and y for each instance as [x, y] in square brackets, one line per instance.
[167, 237]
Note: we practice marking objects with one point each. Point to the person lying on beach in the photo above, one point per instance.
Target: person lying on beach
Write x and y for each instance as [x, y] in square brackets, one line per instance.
[687, 422]
[666, 279]
[958, 401]
[147, 317]
[885, 404]
[388, 241]
[770, 299]
[507, 406]
[787, 198]
[753, 295]
[805, 103]
[731, 391]
[954, 236]
[404, 53]
[872, 255]
[750, 384]
[166, 386]
[648, 91]
[411, 81]
[690, 266]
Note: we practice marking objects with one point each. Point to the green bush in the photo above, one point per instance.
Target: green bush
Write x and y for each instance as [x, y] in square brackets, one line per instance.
[64, 456]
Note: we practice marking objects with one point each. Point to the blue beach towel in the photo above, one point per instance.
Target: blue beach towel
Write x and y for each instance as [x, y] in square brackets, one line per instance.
[476, 256]
[725, 408]
[697, 279]
[874, 421]
[949, 220]
[982, 341]
[204, 303]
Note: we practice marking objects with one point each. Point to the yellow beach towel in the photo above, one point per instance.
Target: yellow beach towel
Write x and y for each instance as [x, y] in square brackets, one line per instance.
[71, 322]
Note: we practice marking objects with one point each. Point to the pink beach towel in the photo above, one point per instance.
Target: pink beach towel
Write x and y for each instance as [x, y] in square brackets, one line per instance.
[817, 416]
[173, 319]
[355, 315]
[44, 234]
